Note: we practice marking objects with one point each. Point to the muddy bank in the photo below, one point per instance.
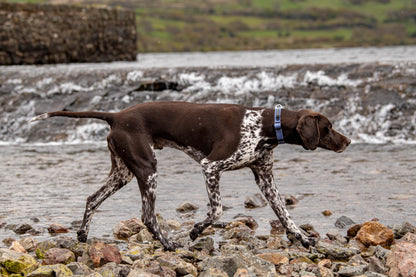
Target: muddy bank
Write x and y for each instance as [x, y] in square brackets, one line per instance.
[367, 249]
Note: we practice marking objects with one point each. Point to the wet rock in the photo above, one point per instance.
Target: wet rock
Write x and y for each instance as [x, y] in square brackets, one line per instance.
[16, 246]
[381, 253]
[401, 261]
[79, 269]
[25, 229]
[56, 228]
[343, 222]
[214, 272]
[44, 246]
[333, 251]
[324, 272]
[241, 272]
[187, 207]
[335, 236]
[51, 271]
[137, 252]
[352, 270]
[230, 265]
[113, 270]
[238, 231]
[101, 254]
[274, 242]
[159, 85]
[325, 263]
[290, 200]
[275, 258]
[144, 236]
[410, 237]
[375, 233]
[300, 256]
[29, 244]
[401, 230]
[155, 268]
[353, 230]
[310, 230]
[376, 265]
[58, 256]
[141, 273]
[357, 260]
[16, 262]
[8, 241]
[127, 228]
[231, 248]
[277, 227]
[178, 265]
[174, 225]
[356, 244]
[249, 221]
[204, 243]
[255, 201]
[327, 213]
[2, 223]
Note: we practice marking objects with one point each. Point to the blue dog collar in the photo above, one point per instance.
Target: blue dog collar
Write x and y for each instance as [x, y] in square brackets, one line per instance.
[278, 124]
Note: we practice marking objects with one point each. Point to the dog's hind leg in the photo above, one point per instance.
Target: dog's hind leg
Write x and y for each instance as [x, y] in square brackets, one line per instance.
[263, 174]
[212, 178]
[119, 176]
[140, 159]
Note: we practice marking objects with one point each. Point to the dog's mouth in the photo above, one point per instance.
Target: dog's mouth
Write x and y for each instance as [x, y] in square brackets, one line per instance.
[345, 145]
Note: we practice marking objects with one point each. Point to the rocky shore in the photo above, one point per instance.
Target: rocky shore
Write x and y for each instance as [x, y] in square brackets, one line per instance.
[225, 249]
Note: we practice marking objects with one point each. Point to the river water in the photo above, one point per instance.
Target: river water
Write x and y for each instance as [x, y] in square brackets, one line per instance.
[48, 169]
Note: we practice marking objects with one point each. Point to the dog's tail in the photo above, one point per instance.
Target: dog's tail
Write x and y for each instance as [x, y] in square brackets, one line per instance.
[98, 115]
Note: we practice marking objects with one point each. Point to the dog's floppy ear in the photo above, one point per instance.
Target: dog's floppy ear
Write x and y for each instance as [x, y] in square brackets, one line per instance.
[309, 132]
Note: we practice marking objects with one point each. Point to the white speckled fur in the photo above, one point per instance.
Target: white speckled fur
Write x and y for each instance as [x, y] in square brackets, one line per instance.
[261, 163]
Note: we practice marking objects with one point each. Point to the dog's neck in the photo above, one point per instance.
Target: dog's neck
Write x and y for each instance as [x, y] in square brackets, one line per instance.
[289, 122]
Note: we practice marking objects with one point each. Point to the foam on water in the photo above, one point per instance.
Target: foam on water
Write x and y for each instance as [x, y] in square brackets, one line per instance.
[358, 117]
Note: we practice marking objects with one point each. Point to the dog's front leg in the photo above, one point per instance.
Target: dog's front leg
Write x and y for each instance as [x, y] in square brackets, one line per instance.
[212, 178]
[148, 192]
[264, 179]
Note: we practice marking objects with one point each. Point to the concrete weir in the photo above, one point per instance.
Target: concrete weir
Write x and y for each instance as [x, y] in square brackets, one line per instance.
[48, 34]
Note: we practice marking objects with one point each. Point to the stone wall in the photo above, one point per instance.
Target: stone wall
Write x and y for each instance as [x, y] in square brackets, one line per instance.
[41, 34]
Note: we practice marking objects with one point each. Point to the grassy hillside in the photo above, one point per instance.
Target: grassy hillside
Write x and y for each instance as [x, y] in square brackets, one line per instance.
[206, 25]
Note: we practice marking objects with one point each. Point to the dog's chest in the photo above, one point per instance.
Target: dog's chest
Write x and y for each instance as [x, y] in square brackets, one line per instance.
[250, 132]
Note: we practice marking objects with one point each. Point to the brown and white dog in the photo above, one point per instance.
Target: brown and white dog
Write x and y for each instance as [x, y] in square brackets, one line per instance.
[219, 137]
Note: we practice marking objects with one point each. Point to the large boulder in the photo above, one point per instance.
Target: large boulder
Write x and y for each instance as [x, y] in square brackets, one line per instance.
[101, 253]
[58, 256]
[334, 251]
[401, 260]
[128, 228]
[230, 264]
[375, 233]
[16, 262]
[51, 271]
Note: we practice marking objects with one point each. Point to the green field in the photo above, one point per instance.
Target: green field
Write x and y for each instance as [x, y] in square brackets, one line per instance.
[209, 25]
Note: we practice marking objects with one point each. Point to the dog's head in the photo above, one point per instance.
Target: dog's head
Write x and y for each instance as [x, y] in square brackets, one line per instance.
[316, 130]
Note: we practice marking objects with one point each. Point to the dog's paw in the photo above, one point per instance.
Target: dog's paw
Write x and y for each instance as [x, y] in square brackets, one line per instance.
[194, 234]
[196, 231]
[308, 242]
[303, 239]
[82, 236]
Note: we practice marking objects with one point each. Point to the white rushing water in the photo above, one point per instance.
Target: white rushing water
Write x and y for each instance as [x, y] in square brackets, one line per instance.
[367, 92]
